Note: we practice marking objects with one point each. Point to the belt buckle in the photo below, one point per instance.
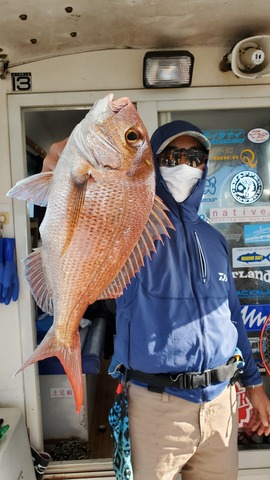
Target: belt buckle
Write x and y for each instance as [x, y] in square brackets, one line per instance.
[188, 380]
[207, 376]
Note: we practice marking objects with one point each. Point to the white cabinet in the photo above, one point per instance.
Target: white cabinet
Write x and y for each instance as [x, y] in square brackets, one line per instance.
[15, 454]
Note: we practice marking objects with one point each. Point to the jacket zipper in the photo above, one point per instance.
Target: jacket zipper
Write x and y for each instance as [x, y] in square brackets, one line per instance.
[203, 278]
[201, 257]
[203, 273]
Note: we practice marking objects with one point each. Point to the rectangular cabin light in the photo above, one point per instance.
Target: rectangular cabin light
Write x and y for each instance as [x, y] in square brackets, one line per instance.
[167, 69]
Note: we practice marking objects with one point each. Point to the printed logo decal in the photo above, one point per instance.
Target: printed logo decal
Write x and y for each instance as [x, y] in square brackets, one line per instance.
[257, 233]
[257, 258]
[257, 294]
[254, 316]
[258, 135]
[232, 237]
[218, 137]
[240, 214]
[210, 189]
[244, 406]
[246, 187]
[253, 257]
[222, 277]
[248, 157]
[210, 186]
[261, 275]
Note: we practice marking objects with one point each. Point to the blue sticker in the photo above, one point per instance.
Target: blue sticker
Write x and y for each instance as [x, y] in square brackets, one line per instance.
[254, 316]
[257, 233]
[221, 137]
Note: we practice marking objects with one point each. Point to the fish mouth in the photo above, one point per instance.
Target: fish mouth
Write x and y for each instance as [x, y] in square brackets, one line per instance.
[117, 105]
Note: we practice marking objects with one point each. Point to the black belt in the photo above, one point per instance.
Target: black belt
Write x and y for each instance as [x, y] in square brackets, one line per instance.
[188, 380]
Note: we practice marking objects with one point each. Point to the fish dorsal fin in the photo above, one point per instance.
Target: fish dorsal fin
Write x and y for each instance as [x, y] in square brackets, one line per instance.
[34, 272]
[34, 189]
[157, 225]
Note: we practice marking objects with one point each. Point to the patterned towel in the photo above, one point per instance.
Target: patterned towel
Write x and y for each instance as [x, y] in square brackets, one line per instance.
[118, 420]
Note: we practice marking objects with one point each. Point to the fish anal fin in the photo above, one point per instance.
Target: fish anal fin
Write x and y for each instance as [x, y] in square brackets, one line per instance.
[70, 358]
[35, 189]
[34, 273]
[157, 225]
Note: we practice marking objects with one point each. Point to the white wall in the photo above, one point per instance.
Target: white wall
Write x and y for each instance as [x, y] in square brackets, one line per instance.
[97, 71]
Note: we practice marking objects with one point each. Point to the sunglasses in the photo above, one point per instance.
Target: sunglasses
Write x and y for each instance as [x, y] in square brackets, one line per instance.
[171, 157]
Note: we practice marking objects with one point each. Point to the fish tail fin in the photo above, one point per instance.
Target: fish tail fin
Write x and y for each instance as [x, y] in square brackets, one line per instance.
[70, 358]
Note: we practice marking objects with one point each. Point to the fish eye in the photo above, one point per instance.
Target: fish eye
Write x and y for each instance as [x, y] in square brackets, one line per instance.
[132, 136]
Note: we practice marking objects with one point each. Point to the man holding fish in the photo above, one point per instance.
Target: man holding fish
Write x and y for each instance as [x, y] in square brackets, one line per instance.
[180, 339]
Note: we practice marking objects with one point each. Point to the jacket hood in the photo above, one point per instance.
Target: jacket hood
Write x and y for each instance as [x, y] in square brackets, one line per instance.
[159, 140]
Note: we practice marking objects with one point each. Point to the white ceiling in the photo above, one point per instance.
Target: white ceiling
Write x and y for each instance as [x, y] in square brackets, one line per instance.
[58, 27]
[32, 30]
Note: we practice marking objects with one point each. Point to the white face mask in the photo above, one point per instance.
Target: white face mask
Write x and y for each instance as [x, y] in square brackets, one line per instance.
[180, 180]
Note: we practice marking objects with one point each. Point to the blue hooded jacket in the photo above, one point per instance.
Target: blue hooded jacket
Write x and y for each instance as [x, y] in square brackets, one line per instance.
[181, 312]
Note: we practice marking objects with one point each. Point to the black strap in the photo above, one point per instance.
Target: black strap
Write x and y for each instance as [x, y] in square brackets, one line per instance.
[188, 380]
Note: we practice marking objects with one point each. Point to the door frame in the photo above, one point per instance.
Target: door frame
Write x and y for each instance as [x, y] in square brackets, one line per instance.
[154, 108]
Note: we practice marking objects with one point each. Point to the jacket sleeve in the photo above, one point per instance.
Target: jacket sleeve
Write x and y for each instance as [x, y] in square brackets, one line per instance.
[251, 374]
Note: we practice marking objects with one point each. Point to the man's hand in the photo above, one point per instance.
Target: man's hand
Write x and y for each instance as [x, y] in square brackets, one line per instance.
[50, 161]
[260, 419]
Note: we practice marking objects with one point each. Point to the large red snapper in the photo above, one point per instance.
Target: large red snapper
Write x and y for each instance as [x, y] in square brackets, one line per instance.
[102, 218]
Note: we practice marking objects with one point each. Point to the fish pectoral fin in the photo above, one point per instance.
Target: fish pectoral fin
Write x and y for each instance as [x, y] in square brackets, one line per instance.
[76, 198]
[80, 176]
[70, 358]
[35, 189]
[34, 272]
[157, 225]
[81, 171]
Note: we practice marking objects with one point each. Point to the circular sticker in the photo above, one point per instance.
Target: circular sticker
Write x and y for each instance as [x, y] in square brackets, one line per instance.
[246, 187]
[258, 135]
